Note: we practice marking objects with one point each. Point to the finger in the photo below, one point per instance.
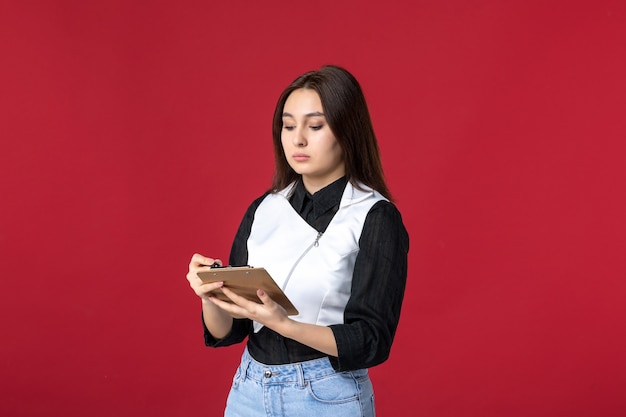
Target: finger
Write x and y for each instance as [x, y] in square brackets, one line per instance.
[193, 278]
[198, 260]
[192, 275]
[250, 307]
[234, 297]
[232, 309]
[266, 299]
[205, 290]
[210, 286]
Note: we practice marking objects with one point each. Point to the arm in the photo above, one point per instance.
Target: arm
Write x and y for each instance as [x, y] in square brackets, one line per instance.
[216, 321]
[238, 256]
[273, 316]
[379, 279]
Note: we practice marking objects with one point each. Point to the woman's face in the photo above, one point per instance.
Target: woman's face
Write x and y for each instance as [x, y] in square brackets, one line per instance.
[310, 146]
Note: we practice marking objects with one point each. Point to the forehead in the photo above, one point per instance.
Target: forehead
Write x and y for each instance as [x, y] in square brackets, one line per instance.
[303, 101]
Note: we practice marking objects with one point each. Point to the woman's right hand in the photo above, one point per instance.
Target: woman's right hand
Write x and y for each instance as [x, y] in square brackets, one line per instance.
[202, 263]
[217, 321]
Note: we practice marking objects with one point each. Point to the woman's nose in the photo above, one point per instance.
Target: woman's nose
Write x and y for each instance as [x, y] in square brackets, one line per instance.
[299, 137]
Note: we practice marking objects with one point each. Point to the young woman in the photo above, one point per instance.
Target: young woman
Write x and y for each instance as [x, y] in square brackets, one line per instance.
[330, 237]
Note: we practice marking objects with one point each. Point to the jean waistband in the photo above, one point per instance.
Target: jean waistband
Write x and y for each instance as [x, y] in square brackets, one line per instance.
[288, 373]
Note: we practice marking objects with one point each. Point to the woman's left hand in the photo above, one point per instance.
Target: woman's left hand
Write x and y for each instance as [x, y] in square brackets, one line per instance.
[270, 313]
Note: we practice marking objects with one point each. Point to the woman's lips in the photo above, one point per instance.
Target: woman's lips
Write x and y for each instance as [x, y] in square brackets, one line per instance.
[300, 157]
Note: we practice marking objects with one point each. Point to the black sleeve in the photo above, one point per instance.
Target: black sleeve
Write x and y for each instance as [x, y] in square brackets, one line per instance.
[378, 283]
[238, 256]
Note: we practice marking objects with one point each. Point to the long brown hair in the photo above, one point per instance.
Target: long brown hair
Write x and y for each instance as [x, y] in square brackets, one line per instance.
[348, 118]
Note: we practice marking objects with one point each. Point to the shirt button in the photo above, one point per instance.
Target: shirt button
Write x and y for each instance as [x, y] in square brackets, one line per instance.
[268, 374]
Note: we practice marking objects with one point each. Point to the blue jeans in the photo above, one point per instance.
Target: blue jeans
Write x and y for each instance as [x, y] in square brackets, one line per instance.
[311, 388]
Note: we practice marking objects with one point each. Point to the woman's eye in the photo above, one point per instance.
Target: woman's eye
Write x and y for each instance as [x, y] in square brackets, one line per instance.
[289, 128]
[317, 127]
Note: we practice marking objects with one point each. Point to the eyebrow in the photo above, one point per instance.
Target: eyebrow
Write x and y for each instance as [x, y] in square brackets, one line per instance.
[314, 114]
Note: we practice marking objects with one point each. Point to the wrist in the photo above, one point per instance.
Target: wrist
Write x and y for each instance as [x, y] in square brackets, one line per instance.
[287, 328]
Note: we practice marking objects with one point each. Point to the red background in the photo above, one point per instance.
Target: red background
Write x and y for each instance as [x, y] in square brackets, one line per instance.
[136, 133]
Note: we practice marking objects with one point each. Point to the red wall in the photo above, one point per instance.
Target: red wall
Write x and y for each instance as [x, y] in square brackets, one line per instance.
[136, 133]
